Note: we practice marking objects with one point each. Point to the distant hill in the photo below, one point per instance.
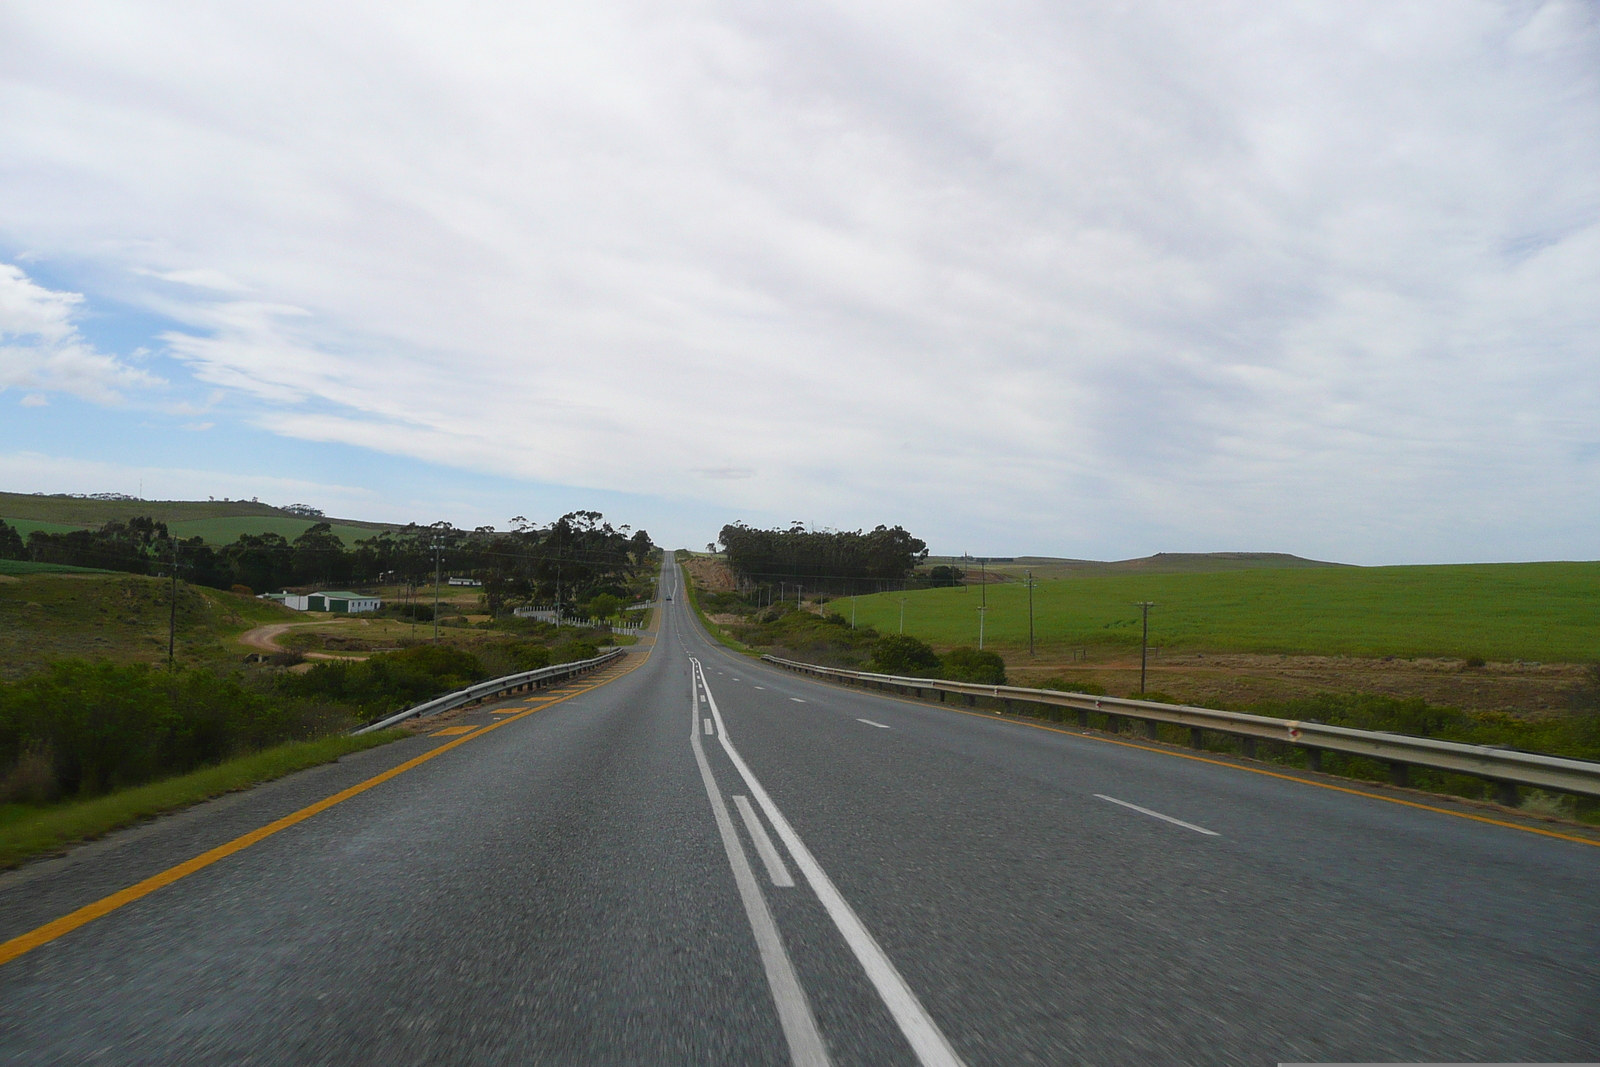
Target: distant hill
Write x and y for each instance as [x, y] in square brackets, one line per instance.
[218, 521]
[1160, 563]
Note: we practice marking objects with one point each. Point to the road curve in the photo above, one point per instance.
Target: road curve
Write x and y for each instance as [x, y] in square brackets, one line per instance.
[697, 859]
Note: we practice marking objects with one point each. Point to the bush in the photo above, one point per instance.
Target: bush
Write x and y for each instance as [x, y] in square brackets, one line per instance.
[243, 590]
[388, 681]
[1069, 683]
[573, 651]
[87, 728]
[905, 655]
[513, 657]
[411, 612]
[971, 665]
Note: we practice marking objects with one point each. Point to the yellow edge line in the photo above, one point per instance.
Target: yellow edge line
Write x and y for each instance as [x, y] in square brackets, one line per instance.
[31, 940]
[1257, 770]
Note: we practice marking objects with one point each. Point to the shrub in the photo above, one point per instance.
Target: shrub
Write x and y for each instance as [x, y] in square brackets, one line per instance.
[512, 657]
[971, 665]
[243, 590]
[101, 726]
[905, 655]
[1070, 683]
[573, 651]
[388, 681]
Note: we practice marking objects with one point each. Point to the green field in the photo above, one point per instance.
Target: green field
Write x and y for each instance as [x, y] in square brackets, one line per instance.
[17, 567]
[220, 522]
[224, 531]
[1549, 612]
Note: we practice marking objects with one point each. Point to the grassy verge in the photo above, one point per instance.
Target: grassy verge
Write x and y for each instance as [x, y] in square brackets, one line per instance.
[27, 830]
[721, 635]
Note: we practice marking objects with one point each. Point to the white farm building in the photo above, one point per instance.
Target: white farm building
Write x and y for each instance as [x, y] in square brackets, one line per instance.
[333, 600]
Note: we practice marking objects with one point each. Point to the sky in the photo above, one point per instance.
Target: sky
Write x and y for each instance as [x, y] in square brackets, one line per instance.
[1067, 278]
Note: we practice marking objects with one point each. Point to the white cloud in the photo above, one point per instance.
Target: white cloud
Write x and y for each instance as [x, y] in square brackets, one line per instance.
[40, 346]
[34, 400]
[1316, 277]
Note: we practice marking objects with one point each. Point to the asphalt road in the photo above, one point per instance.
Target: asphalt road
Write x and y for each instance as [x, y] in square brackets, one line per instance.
[698, 859]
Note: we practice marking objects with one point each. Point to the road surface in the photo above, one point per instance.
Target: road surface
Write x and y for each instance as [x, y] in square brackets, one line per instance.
[696, 859]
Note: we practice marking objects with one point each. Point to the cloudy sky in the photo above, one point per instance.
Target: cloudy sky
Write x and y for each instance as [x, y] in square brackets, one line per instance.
[1069, 278]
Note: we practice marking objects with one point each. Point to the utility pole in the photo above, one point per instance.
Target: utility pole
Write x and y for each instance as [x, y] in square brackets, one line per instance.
[1030, 613]
[902, 614]
[172, 617]
[852, 613]
[1144, 642]
[965, 566]
[983, 579]
[981, 612]
[438, 547]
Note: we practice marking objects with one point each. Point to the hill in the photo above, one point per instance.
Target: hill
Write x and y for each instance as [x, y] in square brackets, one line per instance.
[1161, 563]
[218, 521]
[120, 617]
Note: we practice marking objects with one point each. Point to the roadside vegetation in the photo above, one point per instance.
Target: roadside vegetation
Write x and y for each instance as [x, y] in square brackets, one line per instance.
[827, 638]
[31, 829]
[95, 731]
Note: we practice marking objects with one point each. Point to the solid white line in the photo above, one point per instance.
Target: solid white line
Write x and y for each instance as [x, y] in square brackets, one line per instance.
[932, 1048]
[708, 726]
[1158, 815]
[797, 700]
[794, 1012]
[764, 847]
[760, 687]
[869, 722]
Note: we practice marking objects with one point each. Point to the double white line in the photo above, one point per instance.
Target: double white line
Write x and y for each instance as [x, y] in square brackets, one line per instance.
[794, 1011]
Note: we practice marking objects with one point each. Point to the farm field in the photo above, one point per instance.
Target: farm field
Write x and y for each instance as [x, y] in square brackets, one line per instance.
[1512, 611]
[222, 531]
[1233, 639]
[218, 521]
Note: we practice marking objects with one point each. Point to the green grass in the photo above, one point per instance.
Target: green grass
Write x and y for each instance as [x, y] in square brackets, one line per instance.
[27, 830]
[24, 527]
[1549, 612]
[121, 617]
[16, 567]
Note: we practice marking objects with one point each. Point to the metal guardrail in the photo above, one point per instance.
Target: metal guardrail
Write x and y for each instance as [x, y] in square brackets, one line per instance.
[495, 687]
[1507, 768]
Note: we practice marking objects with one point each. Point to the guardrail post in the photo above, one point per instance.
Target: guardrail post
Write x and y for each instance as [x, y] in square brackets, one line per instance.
[1399, 774]
[972, 701]
[1150, 730]
[1506, 793]
[941, 696]
[1083, 718]
[1197, 737]
[1248, 746]
[1114, 724]
[1005, 706]
[1313, 759]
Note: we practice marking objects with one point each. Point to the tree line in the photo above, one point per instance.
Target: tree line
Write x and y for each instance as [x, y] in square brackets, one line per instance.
[851, 561]
[573, 560]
